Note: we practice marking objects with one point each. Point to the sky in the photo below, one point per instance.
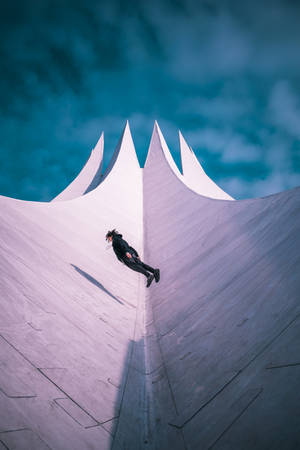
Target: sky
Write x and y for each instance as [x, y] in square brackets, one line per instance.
[226, 73]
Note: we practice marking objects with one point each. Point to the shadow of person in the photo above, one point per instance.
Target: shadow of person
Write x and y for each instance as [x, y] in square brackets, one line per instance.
[95, 282]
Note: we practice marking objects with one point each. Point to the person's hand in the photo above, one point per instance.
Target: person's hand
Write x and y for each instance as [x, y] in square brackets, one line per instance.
[128, 255]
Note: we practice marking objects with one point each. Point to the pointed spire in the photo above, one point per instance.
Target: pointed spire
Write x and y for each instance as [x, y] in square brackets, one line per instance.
[89, 177]
[189, 161]
[124, 156]
[122, 185]
[194, 175]
[158, 150]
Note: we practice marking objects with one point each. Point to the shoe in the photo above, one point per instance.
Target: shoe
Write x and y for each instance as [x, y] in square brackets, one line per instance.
[150, 279]
[157, 275]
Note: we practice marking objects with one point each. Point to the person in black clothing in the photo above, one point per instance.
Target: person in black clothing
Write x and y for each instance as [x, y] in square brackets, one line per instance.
[129, 256]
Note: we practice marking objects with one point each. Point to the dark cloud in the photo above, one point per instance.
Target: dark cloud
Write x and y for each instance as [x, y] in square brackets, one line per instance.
[226, 73]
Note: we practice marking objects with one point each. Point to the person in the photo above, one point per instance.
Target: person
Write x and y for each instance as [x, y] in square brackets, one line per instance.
[129, 256]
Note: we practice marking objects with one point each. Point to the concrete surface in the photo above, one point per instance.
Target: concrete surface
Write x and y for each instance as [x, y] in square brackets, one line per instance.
[207, 358]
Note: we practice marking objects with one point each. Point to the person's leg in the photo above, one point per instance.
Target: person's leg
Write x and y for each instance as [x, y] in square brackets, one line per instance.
[137, 267]
[155, 272]
[150, 269]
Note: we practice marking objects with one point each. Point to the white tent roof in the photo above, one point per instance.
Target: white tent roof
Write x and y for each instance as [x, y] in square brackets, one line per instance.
[206, 358]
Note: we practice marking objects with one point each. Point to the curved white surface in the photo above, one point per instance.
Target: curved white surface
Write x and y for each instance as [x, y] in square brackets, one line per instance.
[68, 314]
[195, 176]
[91, 359]
[88, 178]
[165, 149]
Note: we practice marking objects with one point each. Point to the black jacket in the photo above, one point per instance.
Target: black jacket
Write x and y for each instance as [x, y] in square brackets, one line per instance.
[121, 247]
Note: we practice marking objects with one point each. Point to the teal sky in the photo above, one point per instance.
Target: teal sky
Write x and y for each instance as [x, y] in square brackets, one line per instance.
[226, 73]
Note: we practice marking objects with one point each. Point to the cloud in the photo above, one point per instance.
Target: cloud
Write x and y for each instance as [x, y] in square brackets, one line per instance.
[219, 108]
[225, 73]
[237, 149]
[284, 108]
[229, 39]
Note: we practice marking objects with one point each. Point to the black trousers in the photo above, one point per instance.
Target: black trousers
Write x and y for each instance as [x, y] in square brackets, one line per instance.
[138, 265]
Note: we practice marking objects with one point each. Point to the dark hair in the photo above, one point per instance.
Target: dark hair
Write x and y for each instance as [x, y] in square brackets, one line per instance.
[111, 233]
